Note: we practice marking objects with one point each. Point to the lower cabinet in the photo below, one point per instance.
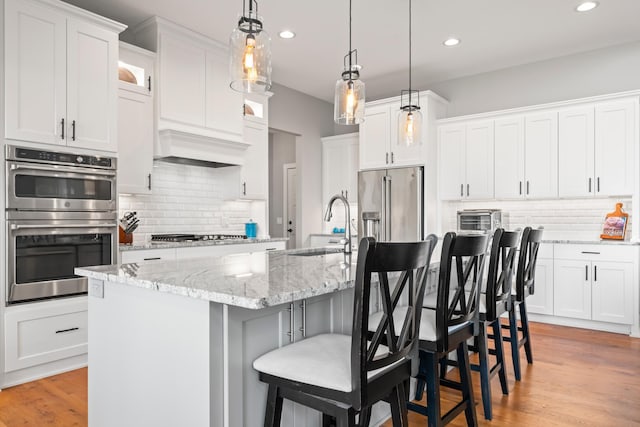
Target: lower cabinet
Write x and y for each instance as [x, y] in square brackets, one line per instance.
[595, 282]
[39, 333]
[541, 301]
[171, 254]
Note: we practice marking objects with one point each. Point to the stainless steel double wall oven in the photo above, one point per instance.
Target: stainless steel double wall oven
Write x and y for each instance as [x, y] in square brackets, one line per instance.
[61, 213]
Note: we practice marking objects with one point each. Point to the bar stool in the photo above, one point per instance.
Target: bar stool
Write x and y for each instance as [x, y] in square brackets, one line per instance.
[525, 286]
[341, 375]
[447, 328]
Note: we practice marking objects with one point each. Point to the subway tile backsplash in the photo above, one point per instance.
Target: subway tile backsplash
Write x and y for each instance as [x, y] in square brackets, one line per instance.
[579, 219]
[188, 199]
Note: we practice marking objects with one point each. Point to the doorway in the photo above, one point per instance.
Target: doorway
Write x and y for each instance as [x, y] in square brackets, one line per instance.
[282, 152]
[289, 187]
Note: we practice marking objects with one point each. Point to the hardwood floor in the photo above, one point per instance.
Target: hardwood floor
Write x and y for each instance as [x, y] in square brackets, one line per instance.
[579, 377]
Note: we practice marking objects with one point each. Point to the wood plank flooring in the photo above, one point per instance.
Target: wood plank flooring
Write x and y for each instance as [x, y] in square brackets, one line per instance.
[579, 377]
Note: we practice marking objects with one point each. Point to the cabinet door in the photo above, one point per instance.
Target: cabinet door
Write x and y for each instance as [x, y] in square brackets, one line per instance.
[401, 154]
[509, 158]
[182, 77]
[254, 174]
[572, 288]
[135, 142]
[92, 79]
[352, 171]
[35, 72]
[375, 137]
[542, 299]
[541, 155]
[451, 149]
[223, 105]
[335, 169]
[616, 133]
[612, 292]
[479, 161]
[575, 152]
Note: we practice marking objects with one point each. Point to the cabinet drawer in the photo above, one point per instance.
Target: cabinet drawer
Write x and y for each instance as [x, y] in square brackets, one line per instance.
[167, 254]
[46, 333]
[621, 253]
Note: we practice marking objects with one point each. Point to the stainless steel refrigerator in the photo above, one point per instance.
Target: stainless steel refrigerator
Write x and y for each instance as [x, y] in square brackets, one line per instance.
[391, 204]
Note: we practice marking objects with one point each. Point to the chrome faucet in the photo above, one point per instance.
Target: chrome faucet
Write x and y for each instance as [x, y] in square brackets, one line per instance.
[346, 241]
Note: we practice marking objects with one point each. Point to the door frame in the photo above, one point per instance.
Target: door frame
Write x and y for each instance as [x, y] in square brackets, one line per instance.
[285, 200]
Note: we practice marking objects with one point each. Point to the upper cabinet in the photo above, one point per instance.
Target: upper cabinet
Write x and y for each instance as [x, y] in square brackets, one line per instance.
[509, 157]
[193, 90]
[596, 149]
[135, 120]
[379, 145]
[340, 167]
[541, 155]
[60, 75]
[254, 173]
[466, 160]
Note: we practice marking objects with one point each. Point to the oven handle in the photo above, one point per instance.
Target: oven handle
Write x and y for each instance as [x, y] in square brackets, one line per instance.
[32, 226]
[56, 168]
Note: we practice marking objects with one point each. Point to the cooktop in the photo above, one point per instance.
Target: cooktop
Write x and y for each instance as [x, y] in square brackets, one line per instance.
[194, 237]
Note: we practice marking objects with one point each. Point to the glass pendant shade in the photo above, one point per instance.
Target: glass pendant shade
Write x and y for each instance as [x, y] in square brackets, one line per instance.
[250, 50]
[410, 126]
[348, 106]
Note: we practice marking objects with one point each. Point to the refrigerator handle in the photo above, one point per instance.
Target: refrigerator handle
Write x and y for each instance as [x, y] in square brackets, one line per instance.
[383, 228]
[388, 219]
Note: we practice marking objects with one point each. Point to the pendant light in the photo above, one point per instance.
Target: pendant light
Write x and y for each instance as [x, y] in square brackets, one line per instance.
[410, 118]
[250, 51]
[348, 106]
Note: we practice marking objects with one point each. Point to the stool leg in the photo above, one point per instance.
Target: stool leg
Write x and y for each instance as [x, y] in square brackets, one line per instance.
[467, 388]
[513, 340]
[485, 380]
[365, 417]
[273, 413]
[434, 416]
[346, 418]
[497, 340]
[524, 320]
[398, 402]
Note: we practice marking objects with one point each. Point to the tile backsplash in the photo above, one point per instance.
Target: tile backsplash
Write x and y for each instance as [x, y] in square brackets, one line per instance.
[579, 219]
[188, 199]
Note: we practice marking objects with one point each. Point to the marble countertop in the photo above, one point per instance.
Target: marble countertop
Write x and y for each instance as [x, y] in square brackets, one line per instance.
[591, 242]
[162, 245]
[250, 280]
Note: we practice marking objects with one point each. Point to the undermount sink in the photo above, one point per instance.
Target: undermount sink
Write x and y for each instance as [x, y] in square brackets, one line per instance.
[318, 251]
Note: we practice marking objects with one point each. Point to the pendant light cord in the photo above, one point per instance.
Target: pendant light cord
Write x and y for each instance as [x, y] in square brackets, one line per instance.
[350, 66]
[410, 55]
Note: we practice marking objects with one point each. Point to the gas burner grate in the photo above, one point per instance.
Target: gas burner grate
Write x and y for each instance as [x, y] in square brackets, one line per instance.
[195, 237]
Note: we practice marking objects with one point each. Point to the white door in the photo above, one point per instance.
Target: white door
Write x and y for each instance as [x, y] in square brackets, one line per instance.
[615, 138]
[374, 138]
[613, 292]
[572, 289]
[451, 170]
[479, 160]
[35, 72]
[541, 155]
[575, 152]
[509, 158]
[290, 186]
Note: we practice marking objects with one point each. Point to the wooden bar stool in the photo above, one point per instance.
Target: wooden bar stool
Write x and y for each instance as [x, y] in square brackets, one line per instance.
[525, 286]
[342, 376]
[447, 328]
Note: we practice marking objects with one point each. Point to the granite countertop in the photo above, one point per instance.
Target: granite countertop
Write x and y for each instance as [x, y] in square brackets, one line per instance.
[162, 245]
[250, 280]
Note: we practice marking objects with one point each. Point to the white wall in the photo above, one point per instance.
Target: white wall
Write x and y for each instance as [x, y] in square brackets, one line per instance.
[282, 150]
[309, 118]
[597, 72]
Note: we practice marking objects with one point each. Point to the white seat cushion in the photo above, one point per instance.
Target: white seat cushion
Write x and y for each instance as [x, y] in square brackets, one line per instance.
[322, 360]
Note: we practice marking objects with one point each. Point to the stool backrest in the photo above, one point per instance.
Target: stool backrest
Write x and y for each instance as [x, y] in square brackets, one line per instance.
[411, 260]
[526, 275]
[458, 302]
[502, 262]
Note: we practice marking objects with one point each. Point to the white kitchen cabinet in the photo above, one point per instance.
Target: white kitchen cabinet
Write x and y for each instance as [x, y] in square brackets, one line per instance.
[594, 282]
[576, 138]
[509, 157]
[375, 137]
[160, 254]
[193, 92]
[340, 167]
[60, 75]
[541, 155]
[466, 160]
[541, 301]
[228, 249]
[136, 124]
[44, 332]
[254, 173]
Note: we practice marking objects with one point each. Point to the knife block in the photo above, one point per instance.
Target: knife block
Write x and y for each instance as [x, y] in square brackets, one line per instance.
[124, 237]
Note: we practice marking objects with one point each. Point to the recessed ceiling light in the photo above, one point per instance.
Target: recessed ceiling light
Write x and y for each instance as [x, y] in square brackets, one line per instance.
[451, 41]
[586, 6]
[287, 34]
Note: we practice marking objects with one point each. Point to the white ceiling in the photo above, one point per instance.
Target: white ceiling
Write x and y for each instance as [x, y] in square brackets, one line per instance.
[495, 34]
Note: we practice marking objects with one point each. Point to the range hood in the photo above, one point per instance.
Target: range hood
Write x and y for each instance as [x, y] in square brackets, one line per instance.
[209, 149]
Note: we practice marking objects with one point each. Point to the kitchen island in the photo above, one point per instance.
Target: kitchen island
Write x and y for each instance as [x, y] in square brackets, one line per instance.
[173, 343]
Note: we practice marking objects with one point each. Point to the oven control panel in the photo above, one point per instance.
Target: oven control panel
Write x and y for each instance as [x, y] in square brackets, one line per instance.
[41, 156]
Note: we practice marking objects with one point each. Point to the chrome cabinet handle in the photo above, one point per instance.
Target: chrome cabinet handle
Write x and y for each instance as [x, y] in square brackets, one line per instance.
[292, 337]
[57, 168]
[62, 226]
[303, 328]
